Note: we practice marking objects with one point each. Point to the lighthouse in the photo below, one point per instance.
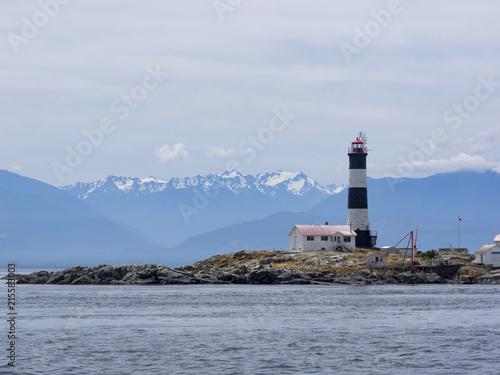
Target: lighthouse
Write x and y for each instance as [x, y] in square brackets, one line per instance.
[357, 201]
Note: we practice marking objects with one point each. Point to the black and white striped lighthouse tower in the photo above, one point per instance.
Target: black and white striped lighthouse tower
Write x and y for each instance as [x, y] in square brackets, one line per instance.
[357, 203]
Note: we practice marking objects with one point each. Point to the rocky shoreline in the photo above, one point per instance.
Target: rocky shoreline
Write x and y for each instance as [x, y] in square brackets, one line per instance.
[151, 274]
[260, 267]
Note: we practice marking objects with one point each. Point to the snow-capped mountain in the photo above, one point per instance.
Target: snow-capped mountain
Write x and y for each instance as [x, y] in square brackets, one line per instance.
[169, 211]
[296, 183]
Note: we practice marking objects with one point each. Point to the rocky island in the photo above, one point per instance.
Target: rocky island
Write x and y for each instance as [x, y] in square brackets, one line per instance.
[277, 267]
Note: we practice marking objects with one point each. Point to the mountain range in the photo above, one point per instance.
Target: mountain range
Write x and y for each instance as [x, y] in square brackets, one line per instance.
[170, 211]
[179, 221]
[296, 183]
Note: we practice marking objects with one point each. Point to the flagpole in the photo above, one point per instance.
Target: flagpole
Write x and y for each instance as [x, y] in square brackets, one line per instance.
[459, 221]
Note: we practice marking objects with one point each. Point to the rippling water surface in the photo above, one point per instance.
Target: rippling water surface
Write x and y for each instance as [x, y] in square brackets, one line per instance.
[241, 329]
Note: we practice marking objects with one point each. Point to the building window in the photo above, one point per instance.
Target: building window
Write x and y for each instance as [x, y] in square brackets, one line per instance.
[310, 238]
[347, 239]
[324, 238]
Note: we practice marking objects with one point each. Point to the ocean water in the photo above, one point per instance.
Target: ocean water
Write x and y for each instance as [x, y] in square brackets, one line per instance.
[246, 329]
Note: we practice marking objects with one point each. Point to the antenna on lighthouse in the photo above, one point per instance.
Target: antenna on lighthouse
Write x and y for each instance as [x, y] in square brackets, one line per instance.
[363, 138]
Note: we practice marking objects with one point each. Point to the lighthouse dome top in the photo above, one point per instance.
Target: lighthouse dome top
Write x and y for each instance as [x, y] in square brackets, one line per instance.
[357, 142]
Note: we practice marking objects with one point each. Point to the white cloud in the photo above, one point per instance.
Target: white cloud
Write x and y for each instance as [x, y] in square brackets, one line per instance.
[166, 154]
[456, 163]
[218, 152]
[460, 162]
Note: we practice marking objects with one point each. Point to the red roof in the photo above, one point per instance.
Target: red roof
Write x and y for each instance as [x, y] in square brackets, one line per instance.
[324, 230]
[357, 142]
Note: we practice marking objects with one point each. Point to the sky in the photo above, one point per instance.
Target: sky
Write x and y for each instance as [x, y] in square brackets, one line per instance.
[180, 88]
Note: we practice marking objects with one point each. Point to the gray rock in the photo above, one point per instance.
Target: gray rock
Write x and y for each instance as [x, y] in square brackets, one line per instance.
[232, 278]
[264, 276]
[137, 274]
[489, 279]
[227, 273]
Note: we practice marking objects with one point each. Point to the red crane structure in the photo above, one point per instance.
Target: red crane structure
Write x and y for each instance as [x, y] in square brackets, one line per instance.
[412, 241]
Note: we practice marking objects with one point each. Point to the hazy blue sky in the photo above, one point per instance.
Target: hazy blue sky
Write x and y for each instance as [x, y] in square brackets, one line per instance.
[179, 88]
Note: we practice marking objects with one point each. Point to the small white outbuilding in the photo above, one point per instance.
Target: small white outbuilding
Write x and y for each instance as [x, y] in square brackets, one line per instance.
[376, 260]
[489, 255]
[322, 237]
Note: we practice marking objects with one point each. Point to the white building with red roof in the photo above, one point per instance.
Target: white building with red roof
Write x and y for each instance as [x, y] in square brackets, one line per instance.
[322, 237]
[489, 255]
